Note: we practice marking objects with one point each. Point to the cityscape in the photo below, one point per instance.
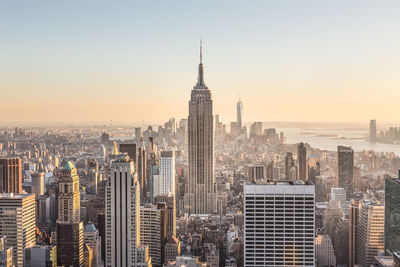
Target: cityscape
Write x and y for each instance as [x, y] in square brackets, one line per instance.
[193, 190]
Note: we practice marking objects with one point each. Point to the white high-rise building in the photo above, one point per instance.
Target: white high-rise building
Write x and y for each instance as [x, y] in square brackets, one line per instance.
[123, 214]
[17, 223]
[279, 221]
[167, 173]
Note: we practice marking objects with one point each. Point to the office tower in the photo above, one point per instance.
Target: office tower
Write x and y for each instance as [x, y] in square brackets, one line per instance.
[17, 222]
[202, 195]
[256, 129]
[345, 169]
[41, 255]
[69, 194]
[155, 181]
[338, 194]
[87, 256]
[302, 159]
[256, 172]
[122, 214]
[69, 226]
[167, 173]
[372, 131]
[130, 149]
[324, 251]
[239, 115]
[275, 212]
[153, 231]
[101, 226]
[171, 211]
[333, 214]
[172, 249]
[340, 240]
[38, 184]
[105, 138]
[371, 232]
[10, 175]
[93, 239]
[314, 168]
[234, 129]
[138, 133]
[353, 233]
[290, 167]
[392, 216]
[6, 254]
[141, 167]
[270, 171]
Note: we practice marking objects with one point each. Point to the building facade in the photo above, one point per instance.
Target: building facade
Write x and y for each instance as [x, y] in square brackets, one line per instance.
[392, 216]
[279, 224]
[371, 232]
[122, 214]
[167, 173]
[201, 195]
[10, 175]
[17, 223]
[345, 169]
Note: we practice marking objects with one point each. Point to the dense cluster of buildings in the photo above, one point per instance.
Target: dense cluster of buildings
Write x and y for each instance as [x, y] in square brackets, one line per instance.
[192, 193]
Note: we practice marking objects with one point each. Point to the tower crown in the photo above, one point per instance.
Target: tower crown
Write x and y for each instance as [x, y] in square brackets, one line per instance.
[200, 80]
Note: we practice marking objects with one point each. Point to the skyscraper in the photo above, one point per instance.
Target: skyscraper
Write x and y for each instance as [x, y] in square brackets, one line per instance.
[38, 184]
[345, 169]
[69, 226]
[239, 115]
[275, 213]
[353, 233]
[167, 173]
[371, 232]
[10, 175]
[123, 214]
[17, 223]
[130, 149]
[392, 216]
[372, 131]
[201, 187]
[153, 230]
[171, 210]
[302, 159]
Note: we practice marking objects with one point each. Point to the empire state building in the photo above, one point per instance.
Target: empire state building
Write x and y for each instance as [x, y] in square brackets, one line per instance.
[201, 191]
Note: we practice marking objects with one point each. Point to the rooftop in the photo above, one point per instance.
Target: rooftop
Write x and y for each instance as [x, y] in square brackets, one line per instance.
[69, 166]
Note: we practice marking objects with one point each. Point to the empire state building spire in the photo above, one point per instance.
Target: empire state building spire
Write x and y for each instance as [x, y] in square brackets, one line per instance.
[200, 80]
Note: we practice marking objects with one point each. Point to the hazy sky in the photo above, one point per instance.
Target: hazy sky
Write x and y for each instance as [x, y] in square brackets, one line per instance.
[131, 61]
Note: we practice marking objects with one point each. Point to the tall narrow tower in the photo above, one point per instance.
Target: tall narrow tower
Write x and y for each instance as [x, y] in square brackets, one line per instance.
[201, 187]
[239, 115]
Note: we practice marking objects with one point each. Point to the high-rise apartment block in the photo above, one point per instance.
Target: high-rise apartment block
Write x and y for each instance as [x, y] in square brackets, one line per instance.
[279, 224]
[17, 223]
[10, 175]
[345, 169]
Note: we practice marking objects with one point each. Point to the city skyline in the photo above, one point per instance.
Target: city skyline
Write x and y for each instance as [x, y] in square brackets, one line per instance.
[318, 60]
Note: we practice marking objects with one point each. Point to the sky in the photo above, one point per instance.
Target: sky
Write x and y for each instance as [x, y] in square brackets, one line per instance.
[92, 61]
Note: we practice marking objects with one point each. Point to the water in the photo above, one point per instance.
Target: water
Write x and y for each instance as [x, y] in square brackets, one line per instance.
[329, 139]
